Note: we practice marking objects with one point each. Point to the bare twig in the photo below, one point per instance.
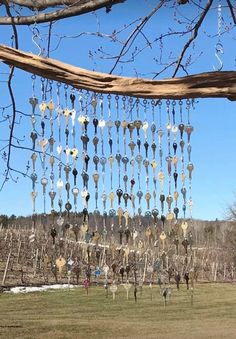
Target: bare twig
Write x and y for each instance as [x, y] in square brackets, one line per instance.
[134, 34]
[193, 37]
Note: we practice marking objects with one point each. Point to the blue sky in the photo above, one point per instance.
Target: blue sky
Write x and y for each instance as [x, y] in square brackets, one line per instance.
[213, 139]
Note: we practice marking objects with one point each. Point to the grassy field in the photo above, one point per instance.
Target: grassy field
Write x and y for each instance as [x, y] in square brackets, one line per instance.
[73, 314]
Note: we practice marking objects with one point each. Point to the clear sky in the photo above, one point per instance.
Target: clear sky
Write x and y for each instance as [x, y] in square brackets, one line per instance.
[213, 140]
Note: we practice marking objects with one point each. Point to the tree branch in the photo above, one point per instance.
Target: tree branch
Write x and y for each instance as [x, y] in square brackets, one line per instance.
[67, 12]
[204, 85]
[231, 11]
[193, 37]
[40, 5]
[135, 32]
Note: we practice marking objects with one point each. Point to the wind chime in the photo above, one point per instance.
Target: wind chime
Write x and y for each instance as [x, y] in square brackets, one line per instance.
[140, 150]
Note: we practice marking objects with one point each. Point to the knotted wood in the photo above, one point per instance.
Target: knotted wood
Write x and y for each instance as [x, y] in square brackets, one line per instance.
[203, 85]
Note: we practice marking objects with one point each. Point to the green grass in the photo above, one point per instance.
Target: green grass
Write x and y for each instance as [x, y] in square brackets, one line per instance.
[73, 314]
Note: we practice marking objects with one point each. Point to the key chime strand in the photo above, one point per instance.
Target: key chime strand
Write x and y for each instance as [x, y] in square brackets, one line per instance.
[121, 157]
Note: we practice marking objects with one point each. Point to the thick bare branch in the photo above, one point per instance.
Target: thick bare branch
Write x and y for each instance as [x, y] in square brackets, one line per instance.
[43, 4]
[193, 37]
[204, 85]
[66, 12]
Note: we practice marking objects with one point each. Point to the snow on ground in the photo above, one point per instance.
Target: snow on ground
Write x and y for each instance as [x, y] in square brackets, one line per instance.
[27, 289]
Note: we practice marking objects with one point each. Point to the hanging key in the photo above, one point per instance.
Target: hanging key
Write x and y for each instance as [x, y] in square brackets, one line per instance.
[85, 178]
[125, 161]
[188, 129]
[67, 187]
[154, 165]
[112, 198]
[162, 200]
[160, 134]
[119, 194]
[103, 162]
[104, 200]
[132, 147]
[33, 102]
[169, 201]
[86, 160]
[72, 99]
[85, 140]
[189, 150]
[126, 198]
[146, 164]
[118, 158]
[184, 192]
[75, 173]
[96, 162]
[163, 219]
[33, 177]
[155, 213]
[138, 124]
[34, 137]
[43, 127]
[169, 161]
[117, 124]
[146, 145]
[67, 132]
[44, 182]
[176, 212]
[139, 144]
[75, 192]
[153, 146]
[52, 195]
[145, 128]
[182, 143]
[147, 198]
[51, 143]
[131, 129]
[125, 179]
[111, 160]
[175, 175]
[33, 197]
[139, 159]
[174, 130]
[120, 215]
[68, 207]
[110, 144]
[190, 168]
[95, 179]
[42, 108]
[181, 129]
[176, 196]
[132, 198]
[95, 124]
[86, 122]
[139, 195]
[109, 125]
[153, 129]
[67, 170]
[175, 147]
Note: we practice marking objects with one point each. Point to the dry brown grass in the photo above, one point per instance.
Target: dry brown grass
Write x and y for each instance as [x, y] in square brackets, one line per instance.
[73, 314]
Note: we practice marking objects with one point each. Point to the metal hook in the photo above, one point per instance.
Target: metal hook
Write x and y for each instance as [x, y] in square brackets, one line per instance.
[35, 37]
[219, 50]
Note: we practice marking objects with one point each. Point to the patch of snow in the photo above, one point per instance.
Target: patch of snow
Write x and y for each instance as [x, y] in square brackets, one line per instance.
[43, 288]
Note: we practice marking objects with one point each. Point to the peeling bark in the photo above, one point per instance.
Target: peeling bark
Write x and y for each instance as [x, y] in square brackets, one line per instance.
[203, 85]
